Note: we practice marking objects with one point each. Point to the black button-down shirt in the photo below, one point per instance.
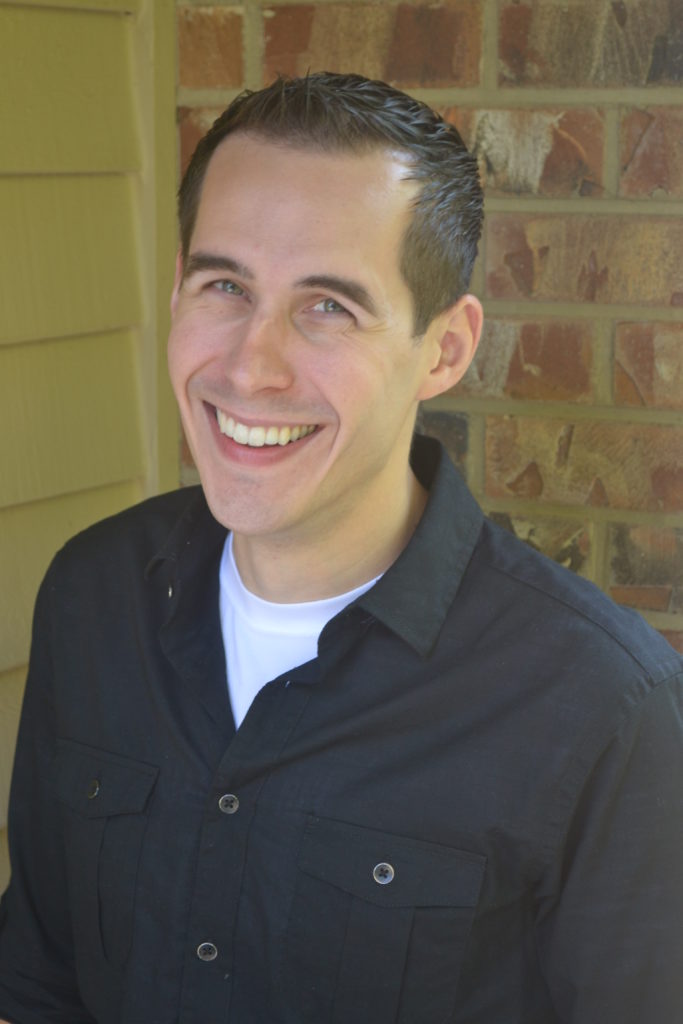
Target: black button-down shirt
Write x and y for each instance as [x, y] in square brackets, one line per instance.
[468, 808]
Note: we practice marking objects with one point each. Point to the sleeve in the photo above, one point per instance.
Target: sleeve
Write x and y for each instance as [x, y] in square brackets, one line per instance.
[37, 974]
[611, 937]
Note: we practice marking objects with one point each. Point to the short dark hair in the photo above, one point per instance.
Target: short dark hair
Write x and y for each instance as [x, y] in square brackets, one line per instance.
[349, 113]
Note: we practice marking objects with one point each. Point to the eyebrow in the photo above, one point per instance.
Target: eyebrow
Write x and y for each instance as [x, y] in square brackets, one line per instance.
[199, 261]
[352, 290]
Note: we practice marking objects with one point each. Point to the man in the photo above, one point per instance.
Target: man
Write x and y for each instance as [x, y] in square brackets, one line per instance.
[454, 790]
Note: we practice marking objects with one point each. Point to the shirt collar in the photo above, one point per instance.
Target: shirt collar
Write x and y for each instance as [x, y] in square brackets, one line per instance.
[413, 597]
[196, 535]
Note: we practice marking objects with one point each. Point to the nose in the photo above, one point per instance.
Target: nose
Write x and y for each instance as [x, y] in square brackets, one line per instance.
[260, 358]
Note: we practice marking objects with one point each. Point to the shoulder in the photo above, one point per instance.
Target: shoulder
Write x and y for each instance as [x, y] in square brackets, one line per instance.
[132, 537]
[569, 672]
[548, 607]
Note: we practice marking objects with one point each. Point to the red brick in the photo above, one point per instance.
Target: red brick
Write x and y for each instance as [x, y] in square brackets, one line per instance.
[585, 463]
[674, 637]
[583, 258]
[565, 541]
[532, 360]
[646, 567]
[627, 42]
[409, 45]
[651, 152]
[547, 152]
[193, 123]
[209, 48]
[654, 599]
[648, 365]
[528, 483]
[435, 45]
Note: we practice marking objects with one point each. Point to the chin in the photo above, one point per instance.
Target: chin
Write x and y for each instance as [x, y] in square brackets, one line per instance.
[247, 518]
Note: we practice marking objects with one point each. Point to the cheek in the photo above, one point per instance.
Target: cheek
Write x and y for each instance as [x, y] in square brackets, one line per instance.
[190, 347]
[178, 365]
[346, 367]
[377, 381]
[173, 355]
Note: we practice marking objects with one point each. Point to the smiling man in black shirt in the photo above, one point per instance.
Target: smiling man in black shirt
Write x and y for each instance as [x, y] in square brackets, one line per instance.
[317, 742]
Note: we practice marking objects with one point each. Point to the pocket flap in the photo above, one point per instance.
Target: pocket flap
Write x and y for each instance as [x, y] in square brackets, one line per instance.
[98, 784]
[420, 874]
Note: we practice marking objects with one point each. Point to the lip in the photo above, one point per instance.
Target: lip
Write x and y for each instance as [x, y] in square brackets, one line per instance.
[250, 421]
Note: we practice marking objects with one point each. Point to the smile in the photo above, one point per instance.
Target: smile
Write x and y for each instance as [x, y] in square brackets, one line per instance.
[257, 437]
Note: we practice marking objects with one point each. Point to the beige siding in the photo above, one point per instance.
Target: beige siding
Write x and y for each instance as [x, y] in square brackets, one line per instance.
[87, 178]
[66, 116]
[68, 263]
[91, 440]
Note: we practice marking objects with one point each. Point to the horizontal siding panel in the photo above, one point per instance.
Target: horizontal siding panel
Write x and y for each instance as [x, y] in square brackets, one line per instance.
[75, 111]
[11, 693]
[73, 404]
[29, 537]
[67, 261]
[122, 6]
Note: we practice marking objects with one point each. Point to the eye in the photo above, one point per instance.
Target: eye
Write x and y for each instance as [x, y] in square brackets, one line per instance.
[229, 287]
[329, 306]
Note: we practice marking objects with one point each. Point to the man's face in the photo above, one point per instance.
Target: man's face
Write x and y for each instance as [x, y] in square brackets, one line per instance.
[291, 351]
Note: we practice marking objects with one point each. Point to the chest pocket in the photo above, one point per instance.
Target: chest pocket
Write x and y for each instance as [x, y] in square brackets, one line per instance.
[378, 927]
[104, 797]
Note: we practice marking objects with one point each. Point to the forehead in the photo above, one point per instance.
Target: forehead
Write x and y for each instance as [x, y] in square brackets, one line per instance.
[262, 189]
[243, 155]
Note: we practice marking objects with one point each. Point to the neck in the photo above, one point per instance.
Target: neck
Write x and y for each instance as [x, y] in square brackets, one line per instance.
[288, 569]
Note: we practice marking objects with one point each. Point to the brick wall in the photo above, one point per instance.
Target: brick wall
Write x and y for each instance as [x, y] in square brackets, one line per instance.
[569, 426]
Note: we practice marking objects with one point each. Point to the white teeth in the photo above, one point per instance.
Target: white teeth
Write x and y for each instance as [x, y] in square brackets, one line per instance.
[257, 437]
[241, 434]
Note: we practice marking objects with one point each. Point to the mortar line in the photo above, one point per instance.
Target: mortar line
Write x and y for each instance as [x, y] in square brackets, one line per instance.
[565, 411]
[489, 47]
[611, 151]
[253, 45]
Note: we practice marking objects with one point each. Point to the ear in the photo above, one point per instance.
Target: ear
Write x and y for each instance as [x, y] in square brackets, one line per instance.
[454, 335]
[178, 280]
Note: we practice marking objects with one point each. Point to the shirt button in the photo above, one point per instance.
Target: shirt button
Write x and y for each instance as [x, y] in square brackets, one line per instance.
[206, 951]
[93, 788]
[383, 873]
[228, 803]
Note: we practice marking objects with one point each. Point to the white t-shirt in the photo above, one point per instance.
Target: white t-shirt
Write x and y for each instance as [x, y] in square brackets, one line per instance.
[263, 639]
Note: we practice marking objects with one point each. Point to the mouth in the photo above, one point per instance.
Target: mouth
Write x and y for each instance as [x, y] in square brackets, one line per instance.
[261, 436]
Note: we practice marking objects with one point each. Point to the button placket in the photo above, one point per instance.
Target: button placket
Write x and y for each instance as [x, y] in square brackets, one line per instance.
[222, 853]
